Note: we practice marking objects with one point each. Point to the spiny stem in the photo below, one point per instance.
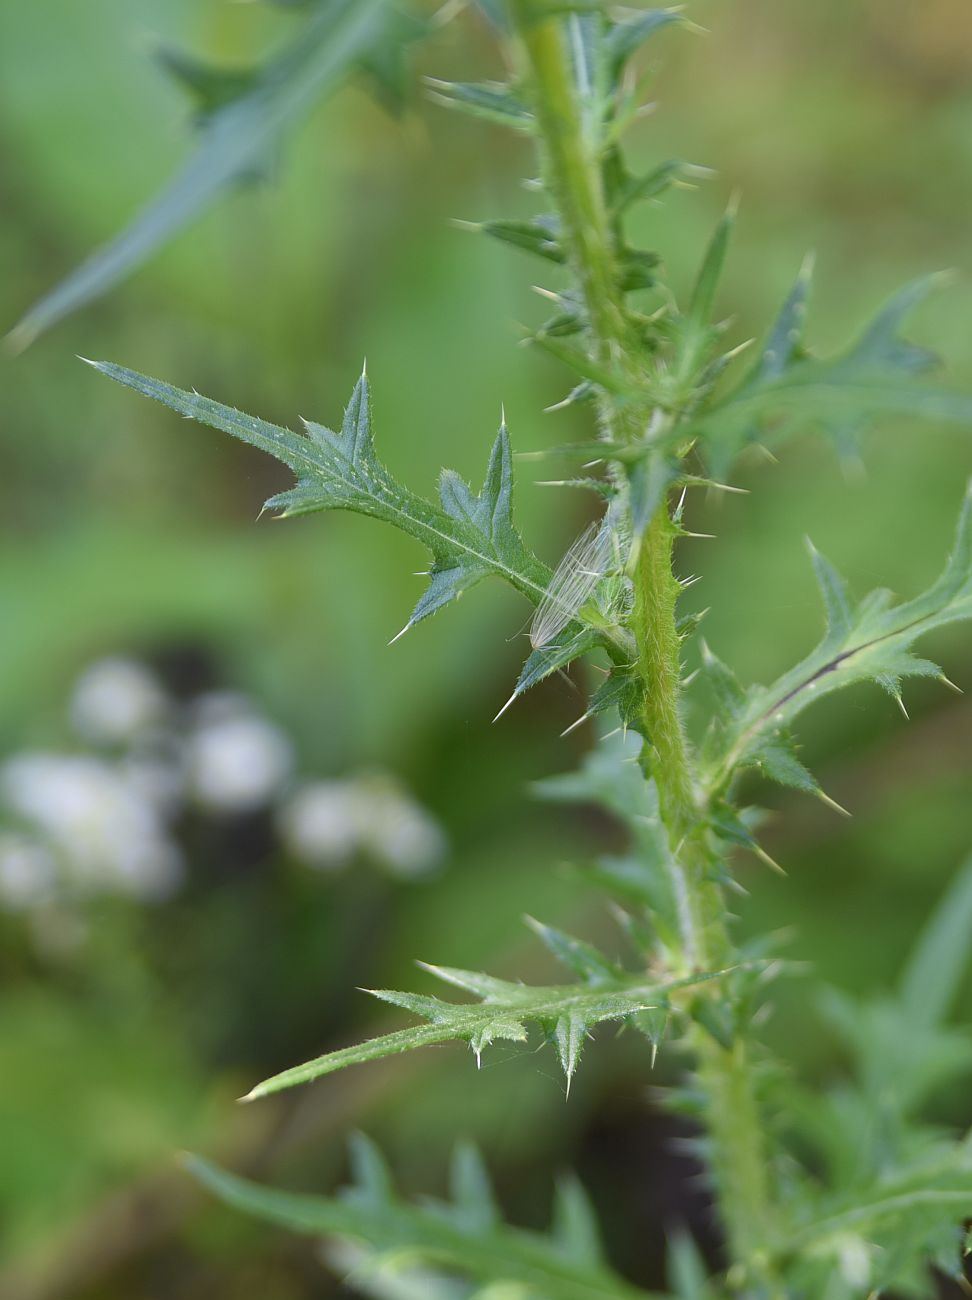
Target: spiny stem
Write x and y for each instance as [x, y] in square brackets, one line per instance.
[573, 174]
[666, 752]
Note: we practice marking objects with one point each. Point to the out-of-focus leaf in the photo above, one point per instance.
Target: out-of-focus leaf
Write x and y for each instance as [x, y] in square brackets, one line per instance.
[575, 1225]
[537, 236]
[492, 100]
[239, 134]
[510, 1261]
[931, 978]
[385, 59]
[625, 38]
[646, 875]
[945, 1187]
[687, 1273]
[788, 389]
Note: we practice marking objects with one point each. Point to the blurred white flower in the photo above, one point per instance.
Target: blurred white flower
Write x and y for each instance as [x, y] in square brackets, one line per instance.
[326, 822]
[319, 824]
[27, 873]
[114, 700]
[404, 838]
[155, 772]
[236, 760]
[101, 831]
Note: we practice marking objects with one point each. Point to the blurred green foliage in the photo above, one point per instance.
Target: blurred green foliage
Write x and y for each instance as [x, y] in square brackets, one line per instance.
[847, 129]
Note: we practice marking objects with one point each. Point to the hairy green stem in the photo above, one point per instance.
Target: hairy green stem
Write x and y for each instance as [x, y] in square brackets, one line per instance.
[573, 173]
[574, 176]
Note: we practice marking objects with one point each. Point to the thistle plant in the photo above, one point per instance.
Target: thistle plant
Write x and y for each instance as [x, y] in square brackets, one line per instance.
[832, 1194]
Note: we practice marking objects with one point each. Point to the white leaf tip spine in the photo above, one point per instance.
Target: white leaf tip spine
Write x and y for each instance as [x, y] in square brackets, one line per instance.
[506, 706]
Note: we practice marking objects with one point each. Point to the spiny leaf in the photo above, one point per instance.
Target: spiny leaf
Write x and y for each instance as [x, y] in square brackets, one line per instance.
[703, 294]
[610, 776]
[238, 135]
[472, 1192]
[470, 535]
[624, 38]
[537, 236]
[369, 1169]
[385, 60]
[565, 1012]
[945, 1186]
[687, 1272]
[620, 691]
[897, 1063]
[777, 760]
[583, 606]
[629, 189]
[567, 645]
[788, 390]
[575, 1226]
[210, 86]
[491, 100]
[783, 343]
[869, 642]
[932, 975]
[649, 479]
[775, 755]
[581, 959]
[490, 1253]
[637, 269]
[595, 372]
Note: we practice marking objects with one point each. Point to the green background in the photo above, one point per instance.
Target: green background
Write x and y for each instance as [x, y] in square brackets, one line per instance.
[847, 128]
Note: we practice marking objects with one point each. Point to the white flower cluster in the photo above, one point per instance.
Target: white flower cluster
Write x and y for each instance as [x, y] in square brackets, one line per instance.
[327, 823]
[106, 820]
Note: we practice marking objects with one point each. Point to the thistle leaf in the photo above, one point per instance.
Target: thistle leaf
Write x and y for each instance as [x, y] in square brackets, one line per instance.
[566, 646]
[564, 1012]
[629, 189]
[687, 1272]
[703, 294]
[624, 39]
[580, 958]
[471, 534]
[386, 60]
[537, 236]
[505, 1259]
[944, 1186]
[649, 479]
[788, 390]
[575, 1225]
[870, 642]
[369, 1169]
[239, 132]
[472, 1192]
[491, 100]
[611, 778]
[210, 87]
[933, 973]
